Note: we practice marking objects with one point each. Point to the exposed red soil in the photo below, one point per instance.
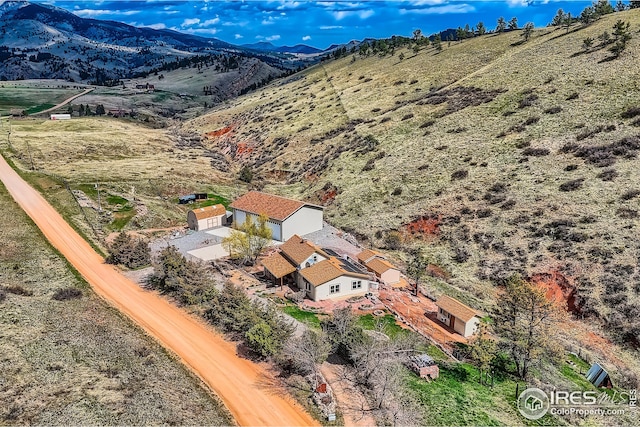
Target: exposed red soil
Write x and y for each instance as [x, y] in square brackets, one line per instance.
[436, 271]
[219, 132]
[558, 288]
[243, 149]
[425, 226]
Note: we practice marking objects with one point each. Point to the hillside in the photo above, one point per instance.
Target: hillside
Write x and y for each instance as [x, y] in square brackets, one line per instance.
[515, 157]
[39, 41]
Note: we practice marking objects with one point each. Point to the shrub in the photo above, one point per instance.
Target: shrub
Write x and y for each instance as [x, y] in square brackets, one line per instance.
[17, 290]
[631, 113]
[427, 124]
[572, 185]
[532, 120]
[630, 195]
[3, 295]
[538, 152]
[460, 174]
[589, 133]
[553, 110]
[457, 130]
[246, 174]
[574, 95]
[407, 116]
[67, 294]
[528, 101]
[130, 252]
[608, 175]
[570, 168]
[397, 191]
[627, 213]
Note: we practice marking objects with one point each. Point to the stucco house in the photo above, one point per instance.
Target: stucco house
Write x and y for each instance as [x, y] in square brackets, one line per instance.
[377, 263]
[321, 273]
[333, 278]
[459, 317]
[286, 216]
[207, 217]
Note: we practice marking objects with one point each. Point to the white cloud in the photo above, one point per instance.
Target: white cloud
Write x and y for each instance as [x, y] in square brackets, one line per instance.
[159, 26]
[190, 21]
[331, 27]
[92, 13]
[514, 3]
[306, 38]
[440, 10]
[210, 22]
[362, 14]
[272, 38]
[201, 31]
[238, 36]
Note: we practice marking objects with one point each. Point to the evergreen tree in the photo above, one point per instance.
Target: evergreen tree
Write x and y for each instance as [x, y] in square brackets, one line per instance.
[621, 36]
[483, 348]
[527, 31]
[634, 4]
[100, 110]
[558, 20]
[513, 23]
[481, 28]
[602, 7]
[588, 15]
[587, 43]
[437, 43]
[502, 25]
[620, 6]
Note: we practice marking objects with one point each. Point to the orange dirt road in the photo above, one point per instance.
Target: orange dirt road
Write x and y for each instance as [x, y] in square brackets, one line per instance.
[248, 390]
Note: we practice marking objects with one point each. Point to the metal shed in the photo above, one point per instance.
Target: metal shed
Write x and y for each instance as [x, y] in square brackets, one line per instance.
[598, 376]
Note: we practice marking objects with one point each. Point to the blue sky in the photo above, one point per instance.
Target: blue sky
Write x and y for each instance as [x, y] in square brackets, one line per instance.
[315, 23]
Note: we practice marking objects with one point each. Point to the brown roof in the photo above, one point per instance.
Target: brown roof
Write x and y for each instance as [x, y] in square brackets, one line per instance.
[326, 270]
[278, 265]
[456, 308]
[379, 266]
[297, 249]
[367, 254]
[209, 211]
[276, 207]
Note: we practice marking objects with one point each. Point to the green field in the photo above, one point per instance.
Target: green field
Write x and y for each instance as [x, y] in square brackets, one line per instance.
[31, 99]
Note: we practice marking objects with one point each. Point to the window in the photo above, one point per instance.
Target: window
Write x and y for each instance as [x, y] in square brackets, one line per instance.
[315, 258]
[335, 289]
[356, 284]
[307, 286]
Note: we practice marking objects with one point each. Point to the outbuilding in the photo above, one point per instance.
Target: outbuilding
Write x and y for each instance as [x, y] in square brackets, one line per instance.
[286, 217]
[459, 317]
[207, 217]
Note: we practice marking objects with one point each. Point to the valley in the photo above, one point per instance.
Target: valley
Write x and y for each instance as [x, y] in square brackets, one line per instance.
[495, 157]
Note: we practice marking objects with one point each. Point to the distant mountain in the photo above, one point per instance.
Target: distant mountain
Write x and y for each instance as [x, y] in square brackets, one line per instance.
[268, 47]
[43, 41]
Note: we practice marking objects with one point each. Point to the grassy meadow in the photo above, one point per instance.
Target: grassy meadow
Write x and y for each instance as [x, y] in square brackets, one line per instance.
[77, 361]
[34, 96]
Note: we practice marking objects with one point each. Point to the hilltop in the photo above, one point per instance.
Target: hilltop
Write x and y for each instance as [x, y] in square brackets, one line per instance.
[495, 155]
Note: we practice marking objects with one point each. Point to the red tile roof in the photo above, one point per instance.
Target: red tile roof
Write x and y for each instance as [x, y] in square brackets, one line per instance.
[276, 207]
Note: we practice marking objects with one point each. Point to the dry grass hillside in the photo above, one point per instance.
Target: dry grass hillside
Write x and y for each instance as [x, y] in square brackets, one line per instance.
[497, 156]
[69, 359]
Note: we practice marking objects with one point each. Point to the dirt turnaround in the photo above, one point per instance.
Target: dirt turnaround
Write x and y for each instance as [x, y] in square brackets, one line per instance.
[248, 390]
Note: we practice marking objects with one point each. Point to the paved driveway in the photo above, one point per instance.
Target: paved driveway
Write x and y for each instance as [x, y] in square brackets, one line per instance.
[209, 253]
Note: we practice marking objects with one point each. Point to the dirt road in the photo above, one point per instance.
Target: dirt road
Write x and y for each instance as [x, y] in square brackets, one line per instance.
[66, 101]
[248, 390]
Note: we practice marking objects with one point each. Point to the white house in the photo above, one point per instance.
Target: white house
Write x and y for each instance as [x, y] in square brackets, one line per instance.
[333, 278]
[207, 217]
[286, 216]
[461, 318]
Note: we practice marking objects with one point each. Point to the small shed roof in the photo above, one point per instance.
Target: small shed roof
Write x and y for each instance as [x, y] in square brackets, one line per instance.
[598, 376]
[298, 249]
[456, 308]
[379, 266]
[276, 207]
[278, 266]
[209, 211]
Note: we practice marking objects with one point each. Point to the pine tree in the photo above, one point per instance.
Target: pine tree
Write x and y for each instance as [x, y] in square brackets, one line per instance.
[481, 28]
[527, 31]
[502, 25]
[558, 20]
[513, 23]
